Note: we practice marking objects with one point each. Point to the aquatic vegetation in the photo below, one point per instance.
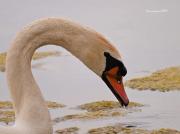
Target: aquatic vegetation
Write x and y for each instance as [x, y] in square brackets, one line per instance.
[105, 105]
[117, 129]
[2, 61]
[99, 105]
[40, 55]
[7, 120]
[91, 115]
[7, 114]
[2, 58]
[50, 104]
[163, 80]
[120, 129]
[5, 105]
[36, 56]
[54, 105]
[97, 110]
[71, 130]
[134, 104]
[165, 131]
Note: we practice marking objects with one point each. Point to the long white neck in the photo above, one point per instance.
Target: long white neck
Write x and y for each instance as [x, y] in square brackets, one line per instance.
[85, 44]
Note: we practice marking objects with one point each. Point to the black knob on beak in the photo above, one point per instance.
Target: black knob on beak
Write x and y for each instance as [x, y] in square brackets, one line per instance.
[123, 71]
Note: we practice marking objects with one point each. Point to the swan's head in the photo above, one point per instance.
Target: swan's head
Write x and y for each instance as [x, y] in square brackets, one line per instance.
[100, 56]
[105, 60]
[112, 75]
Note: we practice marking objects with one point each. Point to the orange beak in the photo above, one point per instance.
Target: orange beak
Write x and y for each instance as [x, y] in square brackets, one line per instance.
[115, 83]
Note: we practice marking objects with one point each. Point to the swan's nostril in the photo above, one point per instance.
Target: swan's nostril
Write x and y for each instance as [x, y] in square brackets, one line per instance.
[119, 81]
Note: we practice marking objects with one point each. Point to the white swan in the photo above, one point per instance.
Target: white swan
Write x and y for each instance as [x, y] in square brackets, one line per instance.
[32, 116]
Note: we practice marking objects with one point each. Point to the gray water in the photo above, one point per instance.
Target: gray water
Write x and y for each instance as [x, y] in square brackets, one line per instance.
[146, 33]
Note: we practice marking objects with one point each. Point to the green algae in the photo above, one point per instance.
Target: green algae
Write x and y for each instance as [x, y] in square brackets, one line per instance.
[105, 105]
[7, 114]
[2, 58]
[134, 104]
[7, 120]
[41, 55]
[2, 61]
[99, 109]
[165, 131]
[5, 105]
[36, 56]
[163, 80]
[54, 105]
[99, 105]
[116, 129]
[71, 130]
[120, 129]
[91, 115]
[50, 104]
